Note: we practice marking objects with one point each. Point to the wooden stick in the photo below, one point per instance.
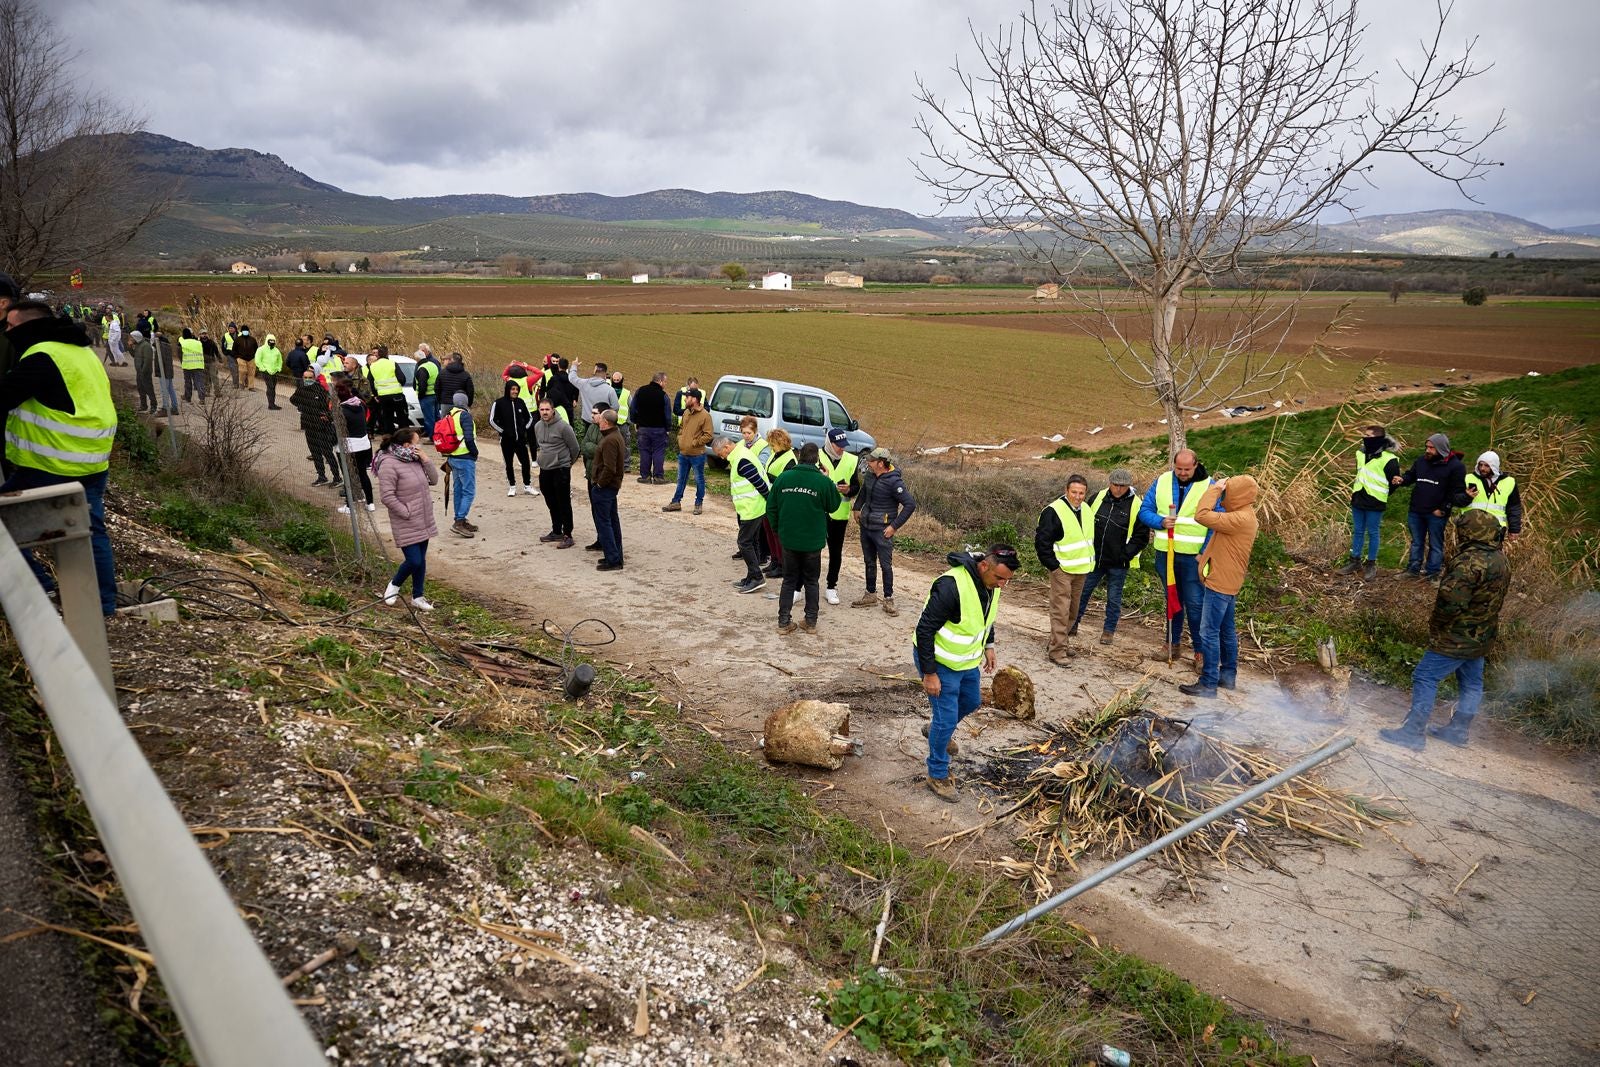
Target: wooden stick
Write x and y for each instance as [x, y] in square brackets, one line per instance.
[841, 1035]
[355, 801]
[1464, 878]
[641, 1016]
[883, 924]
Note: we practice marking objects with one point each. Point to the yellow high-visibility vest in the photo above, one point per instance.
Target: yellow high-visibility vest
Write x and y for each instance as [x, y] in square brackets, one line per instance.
[73, 444]
[1494, 503]
[958, 646]
[193, 353]
[1369, 476]
[1188, 536]
[385, 381]
[1075, 548]
[748, 503]
[840, 470]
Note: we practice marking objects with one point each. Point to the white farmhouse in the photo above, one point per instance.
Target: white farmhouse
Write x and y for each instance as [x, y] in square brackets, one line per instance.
[776, 280]
[641, 279]
[242, 267]
[592, 276]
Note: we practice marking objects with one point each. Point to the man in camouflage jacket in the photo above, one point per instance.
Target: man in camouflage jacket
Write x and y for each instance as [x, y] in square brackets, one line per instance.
[1466, 616]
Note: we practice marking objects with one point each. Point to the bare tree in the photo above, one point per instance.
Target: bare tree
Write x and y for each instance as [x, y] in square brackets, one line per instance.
[68, 196]
[1169, 141]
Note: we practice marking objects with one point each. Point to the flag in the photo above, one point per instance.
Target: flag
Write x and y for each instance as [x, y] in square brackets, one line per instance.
[77, 279]
[1174, 605]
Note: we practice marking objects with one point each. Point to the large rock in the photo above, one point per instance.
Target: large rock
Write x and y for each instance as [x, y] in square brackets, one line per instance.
[812, 733]
[1012, 693]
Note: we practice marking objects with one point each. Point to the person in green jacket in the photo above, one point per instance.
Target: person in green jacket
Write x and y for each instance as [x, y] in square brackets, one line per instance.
[798, 506]
[269, 361]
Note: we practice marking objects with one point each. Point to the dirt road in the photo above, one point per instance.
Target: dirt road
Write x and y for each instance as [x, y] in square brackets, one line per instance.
[1467, 932]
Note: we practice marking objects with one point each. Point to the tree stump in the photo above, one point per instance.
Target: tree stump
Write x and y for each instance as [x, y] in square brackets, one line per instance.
[1012, 693]
[812, 733]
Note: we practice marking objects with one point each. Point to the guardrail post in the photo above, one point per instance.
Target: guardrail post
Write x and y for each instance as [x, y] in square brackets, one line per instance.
[56, 518]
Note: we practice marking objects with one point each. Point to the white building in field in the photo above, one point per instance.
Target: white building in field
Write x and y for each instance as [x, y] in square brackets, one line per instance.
[242, 267]
[776, 280]
[641, 279]
[592, 276]
[1048, 291]
[843, 279]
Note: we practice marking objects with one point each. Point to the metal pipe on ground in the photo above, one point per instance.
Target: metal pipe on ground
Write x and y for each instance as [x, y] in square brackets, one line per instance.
[235, 1012]
[1222, 810]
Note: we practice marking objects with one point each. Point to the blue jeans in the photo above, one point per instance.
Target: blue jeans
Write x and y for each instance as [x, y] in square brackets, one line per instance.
[607, 522]
[1114, 577]
[94, 492]
[958, 697]
[1191, 595]
[1434, 669]
[430, 413]
[1218, 643]
[1364, 528]
[685, 465]
[464, 473]
[1433, 526]
[414, 565]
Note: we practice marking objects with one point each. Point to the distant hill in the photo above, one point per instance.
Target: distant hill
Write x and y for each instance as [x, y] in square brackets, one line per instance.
[1447, 233]
[240, 202]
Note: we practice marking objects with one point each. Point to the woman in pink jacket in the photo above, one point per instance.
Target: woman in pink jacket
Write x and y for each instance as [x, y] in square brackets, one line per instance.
[404, 475]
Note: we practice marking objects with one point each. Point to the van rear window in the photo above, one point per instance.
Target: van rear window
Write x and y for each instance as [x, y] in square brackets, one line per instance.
[742, 398]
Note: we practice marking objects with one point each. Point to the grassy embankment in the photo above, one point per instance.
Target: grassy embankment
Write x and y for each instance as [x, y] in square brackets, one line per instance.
[748, 836]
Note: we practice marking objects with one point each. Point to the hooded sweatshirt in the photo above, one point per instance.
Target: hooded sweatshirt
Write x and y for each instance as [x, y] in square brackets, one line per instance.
[1360, 499]
[1513, 502]
[1438, 482]
[944, 605]
[37, 377]
[511, 418]
[1472, 590]
[1226, 557]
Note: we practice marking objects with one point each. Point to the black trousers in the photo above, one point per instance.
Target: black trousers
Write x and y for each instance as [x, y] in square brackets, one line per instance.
[391, 413]
[836, 530]
[800, 571]
[752, 532]
[516, 450]
[322, 456]
[556, 485]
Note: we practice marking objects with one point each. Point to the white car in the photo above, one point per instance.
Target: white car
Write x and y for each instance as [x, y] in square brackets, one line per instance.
[805, 411]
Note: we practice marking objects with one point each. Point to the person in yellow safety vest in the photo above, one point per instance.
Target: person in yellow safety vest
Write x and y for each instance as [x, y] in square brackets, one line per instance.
[386, 386]
[1496, 494]
[60, 421]
[841, 466]
[228, 337]
[1119, 537]
[1064, 543]
[748, 486]
[193, 356]
[1376, 467]
[269, 361]
[1168, 509]
[954, 638]
[624, 424]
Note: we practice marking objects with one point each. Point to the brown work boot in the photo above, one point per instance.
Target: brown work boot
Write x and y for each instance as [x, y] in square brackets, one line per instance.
[867, 600]
[1105, 639]
[950, 749]
[888, 606]
[808, 628]
[674, 506]
[1165, 653]
[1061, 658]
[944, 789]
[786, 628]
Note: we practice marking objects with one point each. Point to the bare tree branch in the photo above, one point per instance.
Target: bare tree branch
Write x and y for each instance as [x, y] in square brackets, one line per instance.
[69, 196]
[1176, 141]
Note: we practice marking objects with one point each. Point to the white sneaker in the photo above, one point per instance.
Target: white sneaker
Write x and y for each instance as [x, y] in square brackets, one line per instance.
[391, 595]
[831, 596]
[512, 491]
[529, 490]
[344, 509]
[421, 603]
[372, 507]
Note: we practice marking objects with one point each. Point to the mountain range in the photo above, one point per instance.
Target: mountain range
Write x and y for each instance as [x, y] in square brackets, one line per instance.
[240, 202]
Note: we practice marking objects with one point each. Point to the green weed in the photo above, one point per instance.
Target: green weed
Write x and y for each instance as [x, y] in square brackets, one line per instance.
[918, 1025]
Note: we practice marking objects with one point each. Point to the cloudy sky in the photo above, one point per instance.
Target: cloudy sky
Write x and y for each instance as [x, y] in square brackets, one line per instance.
[403, 98]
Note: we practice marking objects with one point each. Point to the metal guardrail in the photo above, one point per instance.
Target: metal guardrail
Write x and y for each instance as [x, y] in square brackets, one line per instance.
[233, 1007]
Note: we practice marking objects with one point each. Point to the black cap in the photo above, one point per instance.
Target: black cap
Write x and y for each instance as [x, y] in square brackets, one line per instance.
[8, 287]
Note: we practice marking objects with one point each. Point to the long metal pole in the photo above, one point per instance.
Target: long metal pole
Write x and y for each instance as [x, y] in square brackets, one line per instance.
[1326, 752]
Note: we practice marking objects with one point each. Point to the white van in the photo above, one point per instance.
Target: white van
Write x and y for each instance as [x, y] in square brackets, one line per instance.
[805, 412]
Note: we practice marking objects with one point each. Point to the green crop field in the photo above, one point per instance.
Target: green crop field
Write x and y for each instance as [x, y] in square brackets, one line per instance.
[910, 381]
